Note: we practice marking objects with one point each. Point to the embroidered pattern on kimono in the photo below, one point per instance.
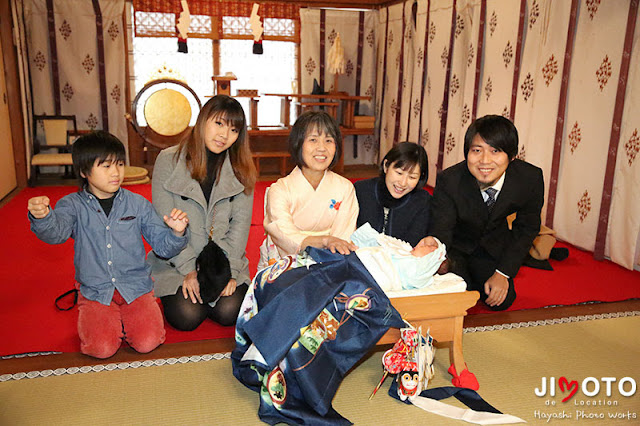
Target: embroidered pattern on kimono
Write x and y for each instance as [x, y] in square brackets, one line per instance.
[300, 329]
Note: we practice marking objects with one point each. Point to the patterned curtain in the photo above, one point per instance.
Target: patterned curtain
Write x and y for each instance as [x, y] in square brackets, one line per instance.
[623, 237]
[392, 45]
[589, 122]
[438, 18]
[418, 70]
[539, 86]
[319, 29]
[500, 47]
[565, 72]
[77, 61]
[462, 79]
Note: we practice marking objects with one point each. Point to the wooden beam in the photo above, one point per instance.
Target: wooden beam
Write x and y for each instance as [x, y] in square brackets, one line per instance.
[13, 93]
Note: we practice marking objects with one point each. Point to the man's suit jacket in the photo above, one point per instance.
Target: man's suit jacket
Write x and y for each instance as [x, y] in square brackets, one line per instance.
[461, 220]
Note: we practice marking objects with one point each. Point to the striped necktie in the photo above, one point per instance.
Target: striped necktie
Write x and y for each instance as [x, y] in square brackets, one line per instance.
[491, 197]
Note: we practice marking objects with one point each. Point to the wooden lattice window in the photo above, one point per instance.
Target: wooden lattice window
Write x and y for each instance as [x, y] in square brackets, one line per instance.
[201, 26]
[235, 25]
[155, 24]
[274, 28]
[215, 20]
[279, 28]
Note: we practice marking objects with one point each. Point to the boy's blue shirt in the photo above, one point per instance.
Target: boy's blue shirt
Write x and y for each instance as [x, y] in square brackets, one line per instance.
[108, 251]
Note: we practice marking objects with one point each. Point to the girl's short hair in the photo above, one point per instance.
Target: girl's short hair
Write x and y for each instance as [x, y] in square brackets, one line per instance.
[98, 145]
[313, 120]
[193, 145]
[405, 155]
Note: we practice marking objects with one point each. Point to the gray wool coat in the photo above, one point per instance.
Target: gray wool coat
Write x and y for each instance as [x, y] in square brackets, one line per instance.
[229, 211]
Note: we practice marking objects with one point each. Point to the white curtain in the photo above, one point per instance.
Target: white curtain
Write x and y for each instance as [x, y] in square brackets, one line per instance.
[419, 62]
[406, 63]
[623, 237]
[439, 33]
[590, 104]
[349, 25]
[87, 88]
[573, 124]
[392, 42]
[462, 79]
[540, 82]
[501, 36]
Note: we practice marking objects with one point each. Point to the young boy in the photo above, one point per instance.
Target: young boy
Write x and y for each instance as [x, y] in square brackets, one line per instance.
[115, 300]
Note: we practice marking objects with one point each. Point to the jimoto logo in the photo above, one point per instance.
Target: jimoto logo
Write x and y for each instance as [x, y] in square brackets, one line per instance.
[590, 387]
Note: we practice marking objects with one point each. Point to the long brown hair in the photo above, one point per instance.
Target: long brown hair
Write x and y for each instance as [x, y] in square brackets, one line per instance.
[229, 109]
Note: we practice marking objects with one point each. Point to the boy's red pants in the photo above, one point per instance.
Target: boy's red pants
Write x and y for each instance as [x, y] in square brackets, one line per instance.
[102, 328]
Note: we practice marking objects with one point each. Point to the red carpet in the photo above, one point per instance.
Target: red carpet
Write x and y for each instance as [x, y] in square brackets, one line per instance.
[35, 273]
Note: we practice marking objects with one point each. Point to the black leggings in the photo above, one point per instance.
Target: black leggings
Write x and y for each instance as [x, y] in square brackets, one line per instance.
[185, 315]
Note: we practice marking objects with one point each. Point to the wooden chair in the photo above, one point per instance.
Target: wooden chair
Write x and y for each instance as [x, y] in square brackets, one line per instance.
[56, 136]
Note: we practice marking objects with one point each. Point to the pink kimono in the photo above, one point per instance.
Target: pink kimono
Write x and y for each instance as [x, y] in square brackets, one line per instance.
[294, 211]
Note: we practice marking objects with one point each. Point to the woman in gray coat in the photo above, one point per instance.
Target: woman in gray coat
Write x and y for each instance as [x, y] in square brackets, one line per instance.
[210, 175]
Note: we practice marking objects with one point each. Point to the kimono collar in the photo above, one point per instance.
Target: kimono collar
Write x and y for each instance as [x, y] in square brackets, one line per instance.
[299, 178]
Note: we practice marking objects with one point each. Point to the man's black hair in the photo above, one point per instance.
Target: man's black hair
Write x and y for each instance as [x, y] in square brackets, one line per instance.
[496, 131]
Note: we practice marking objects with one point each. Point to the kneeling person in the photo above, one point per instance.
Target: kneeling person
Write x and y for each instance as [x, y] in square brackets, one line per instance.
[470, 205]
[116, 299]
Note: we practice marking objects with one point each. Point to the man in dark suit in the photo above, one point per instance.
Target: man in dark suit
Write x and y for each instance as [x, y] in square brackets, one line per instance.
[470, 205]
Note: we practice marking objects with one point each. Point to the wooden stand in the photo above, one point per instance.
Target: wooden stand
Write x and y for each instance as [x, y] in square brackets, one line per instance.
[348, 104]
[253, 110]
[223, 84]
[331, 107]
[442, 314]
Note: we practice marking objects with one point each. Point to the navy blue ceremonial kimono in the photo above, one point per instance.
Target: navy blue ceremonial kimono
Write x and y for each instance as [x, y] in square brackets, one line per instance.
[300, 330]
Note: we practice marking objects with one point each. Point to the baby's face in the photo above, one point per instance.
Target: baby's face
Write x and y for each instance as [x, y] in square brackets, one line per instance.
[420, 251]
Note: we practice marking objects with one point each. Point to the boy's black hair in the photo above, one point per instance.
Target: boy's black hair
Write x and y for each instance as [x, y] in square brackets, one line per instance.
[308, 121]
[496, 131]
[405, 155]
[98, 145]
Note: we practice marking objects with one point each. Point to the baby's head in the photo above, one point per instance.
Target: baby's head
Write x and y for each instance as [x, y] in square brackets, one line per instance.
[423, 250]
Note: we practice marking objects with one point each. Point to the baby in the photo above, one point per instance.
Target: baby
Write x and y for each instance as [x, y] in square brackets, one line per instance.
[394, 264]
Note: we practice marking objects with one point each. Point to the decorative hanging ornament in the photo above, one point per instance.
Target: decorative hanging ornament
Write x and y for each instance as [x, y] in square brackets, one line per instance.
[411, 360]
[256, 29]
[183, 27]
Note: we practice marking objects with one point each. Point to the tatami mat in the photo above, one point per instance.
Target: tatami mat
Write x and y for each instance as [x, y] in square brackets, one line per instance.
[509, 365]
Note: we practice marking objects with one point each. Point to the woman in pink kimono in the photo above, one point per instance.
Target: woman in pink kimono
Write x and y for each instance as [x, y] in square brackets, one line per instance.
[312, 206]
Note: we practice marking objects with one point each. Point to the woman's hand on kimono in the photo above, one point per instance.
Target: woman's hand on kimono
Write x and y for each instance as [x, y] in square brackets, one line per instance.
[334, 244]
[230, 288]
[191, 287]
[339, 245]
